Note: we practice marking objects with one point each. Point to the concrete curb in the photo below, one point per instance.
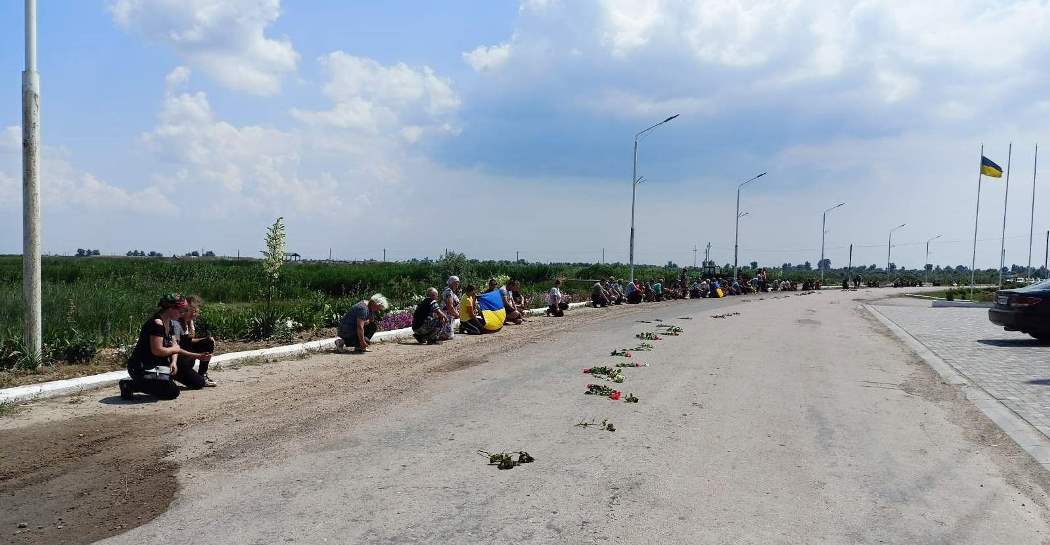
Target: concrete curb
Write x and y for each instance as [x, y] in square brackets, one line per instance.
[1027, 436]
[58, 388]
[960, 304]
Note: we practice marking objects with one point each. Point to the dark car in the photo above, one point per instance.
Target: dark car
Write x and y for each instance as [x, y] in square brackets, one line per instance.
[1024, 309]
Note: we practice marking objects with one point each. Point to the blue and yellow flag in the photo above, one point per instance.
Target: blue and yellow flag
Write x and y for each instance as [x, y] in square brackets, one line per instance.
[990, 169]
[492, 311]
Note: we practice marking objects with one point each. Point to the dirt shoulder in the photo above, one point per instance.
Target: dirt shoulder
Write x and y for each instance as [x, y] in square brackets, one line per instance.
[78, 469]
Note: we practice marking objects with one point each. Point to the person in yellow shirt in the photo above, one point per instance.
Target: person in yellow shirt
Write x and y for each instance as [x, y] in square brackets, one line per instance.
[470, 321]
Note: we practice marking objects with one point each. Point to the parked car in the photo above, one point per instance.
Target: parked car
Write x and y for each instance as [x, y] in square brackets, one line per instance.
[1024, 309]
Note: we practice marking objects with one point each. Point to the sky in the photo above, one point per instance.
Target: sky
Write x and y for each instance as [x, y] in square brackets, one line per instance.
[505, 128]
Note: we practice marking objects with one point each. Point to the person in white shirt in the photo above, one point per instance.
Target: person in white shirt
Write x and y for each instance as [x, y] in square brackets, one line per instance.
[555, 303]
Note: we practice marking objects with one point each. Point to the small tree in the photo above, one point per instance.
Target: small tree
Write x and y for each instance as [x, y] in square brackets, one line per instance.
[273, 259]
[754, 265]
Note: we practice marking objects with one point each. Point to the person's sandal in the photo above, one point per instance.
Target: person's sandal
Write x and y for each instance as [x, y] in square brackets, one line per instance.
[208, 382]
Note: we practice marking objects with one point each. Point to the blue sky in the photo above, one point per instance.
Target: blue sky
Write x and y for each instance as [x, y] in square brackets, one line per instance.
[494, 127]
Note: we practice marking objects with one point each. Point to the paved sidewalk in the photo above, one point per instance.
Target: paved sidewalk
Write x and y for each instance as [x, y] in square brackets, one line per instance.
[1011, 367]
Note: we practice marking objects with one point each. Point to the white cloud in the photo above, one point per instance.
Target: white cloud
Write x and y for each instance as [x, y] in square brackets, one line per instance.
[177, 77]
[223, 38]
[350, 154]
[898, 53]
[371, 97]
[490, 57]
[66, 188]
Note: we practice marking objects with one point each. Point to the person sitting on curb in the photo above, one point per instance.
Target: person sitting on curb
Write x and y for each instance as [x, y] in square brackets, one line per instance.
[428, 319]
[634, 292]
[613, 290]
[450, 306]
[152, 364]
[470, 321]
[658, 290]
[358, 325]
[184, 330]
[556, 306]
[599, 297]
[513, 315]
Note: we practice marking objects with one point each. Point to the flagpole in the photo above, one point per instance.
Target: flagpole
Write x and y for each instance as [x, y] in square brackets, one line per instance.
[1006, 198]
[976, 216]
[1031, 221]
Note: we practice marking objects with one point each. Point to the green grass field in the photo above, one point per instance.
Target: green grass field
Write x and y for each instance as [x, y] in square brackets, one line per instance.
[104, 300]
[98, 302]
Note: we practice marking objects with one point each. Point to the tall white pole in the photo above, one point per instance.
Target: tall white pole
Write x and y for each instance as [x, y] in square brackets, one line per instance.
[736, 236]
[889, 247]
[976, 216]
[736, 233]
[926, 265]
[1031, 220]
[634, 187]
[823, 231]
[30, 188]
[1006, 199]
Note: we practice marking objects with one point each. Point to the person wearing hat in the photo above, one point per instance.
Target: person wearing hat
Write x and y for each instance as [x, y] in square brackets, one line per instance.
[450, 304]
[152, 363]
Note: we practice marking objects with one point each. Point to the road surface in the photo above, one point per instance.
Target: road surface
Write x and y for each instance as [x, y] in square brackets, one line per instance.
[797, 419]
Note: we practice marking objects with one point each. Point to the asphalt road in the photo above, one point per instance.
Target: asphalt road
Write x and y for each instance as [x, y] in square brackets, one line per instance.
[799, 420]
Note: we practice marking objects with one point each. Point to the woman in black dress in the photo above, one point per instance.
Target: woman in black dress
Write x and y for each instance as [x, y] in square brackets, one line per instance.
[151, 364]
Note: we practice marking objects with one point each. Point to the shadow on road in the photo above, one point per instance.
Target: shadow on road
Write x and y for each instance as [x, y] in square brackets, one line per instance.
[1011, 342]
[137, 400]
[1040, 381]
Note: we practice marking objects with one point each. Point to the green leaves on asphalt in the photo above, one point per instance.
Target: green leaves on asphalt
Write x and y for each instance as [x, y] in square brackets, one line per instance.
[505, 460]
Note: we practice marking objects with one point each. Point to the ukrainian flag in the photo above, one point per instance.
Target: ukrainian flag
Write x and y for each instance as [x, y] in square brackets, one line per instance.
[990, 169]
[492, 310]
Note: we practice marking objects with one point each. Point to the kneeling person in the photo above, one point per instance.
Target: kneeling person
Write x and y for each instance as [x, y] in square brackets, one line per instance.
[428, 319]
[357, 326]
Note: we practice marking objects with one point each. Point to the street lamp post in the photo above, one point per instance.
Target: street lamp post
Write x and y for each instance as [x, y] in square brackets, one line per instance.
[634, 184]
[736, 235]
[889, 247]
[30, 188]
[926, 265]
[823, 231]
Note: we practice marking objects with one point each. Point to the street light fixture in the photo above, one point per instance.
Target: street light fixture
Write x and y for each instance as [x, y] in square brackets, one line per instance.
[889, 246]
[926, 266]
[823, 231]
[736, 235]
[635, 180]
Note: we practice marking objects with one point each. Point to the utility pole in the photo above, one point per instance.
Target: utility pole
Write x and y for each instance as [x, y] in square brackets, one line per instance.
[707, 253]
[694, 256]
[925, 265]
[635, 180]
[736, 235]
[517, 256]
[31, 188]
[384, 255]
[824, 231]
[603, 256]
[849, 268]
[329, 254]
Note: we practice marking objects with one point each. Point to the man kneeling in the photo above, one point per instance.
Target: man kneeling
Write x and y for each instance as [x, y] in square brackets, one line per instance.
[428, 319]
[358, 325]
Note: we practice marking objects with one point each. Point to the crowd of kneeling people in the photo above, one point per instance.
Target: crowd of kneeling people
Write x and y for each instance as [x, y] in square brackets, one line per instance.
[168, 345]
